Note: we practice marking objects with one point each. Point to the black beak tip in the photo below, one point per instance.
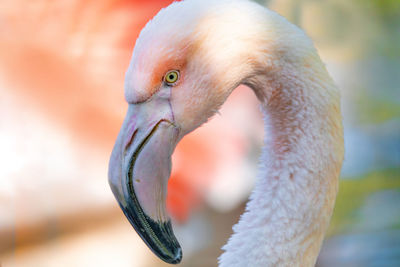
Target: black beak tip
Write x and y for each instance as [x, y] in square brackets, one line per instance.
[158, 236]
[177, 256]
[166, 247]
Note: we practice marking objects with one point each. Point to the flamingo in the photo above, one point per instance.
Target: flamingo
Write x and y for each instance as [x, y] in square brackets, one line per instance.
[186, 62]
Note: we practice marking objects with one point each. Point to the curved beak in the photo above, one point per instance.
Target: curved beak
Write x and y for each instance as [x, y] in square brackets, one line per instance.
[139, 170]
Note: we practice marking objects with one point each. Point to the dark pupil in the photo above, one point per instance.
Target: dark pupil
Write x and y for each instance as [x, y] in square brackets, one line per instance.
[171, 76]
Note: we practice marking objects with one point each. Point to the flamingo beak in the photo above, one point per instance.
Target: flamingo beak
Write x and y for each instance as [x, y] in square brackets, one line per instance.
[139, 170]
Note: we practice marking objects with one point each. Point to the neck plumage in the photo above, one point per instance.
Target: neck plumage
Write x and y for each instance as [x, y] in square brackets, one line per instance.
[290, 208]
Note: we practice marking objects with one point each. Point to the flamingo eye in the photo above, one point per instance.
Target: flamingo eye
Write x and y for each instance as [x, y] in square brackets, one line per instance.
[171, 77]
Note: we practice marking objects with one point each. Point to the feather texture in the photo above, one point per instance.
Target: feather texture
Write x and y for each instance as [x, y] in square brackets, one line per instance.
[218, 45]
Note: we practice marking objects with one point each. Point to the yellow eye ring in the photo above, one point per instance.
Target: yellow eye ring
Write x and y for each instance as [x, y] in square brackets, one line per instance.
[171, 77]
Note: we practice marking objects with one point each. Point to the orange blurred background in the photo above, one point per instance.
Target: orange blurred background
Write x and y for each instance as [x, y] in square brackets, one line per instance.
[62, 67]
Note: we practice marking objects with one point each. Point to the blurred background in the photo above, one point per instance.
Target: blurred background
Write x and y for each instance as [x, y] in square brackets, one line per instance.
[62, 66]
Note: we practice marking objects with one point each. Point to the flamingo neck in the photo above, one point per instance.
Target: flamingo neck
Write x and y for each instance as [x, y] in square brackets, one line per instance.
[291, 205]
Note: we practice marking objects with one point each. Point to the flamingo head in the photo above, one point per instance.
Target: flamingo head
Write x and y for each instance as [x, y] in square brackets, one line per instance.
[181, 71]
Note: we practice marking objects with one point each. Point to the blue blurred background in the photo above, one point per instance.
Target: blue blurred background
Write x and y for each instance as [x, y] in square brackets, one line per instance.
[62, 67]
